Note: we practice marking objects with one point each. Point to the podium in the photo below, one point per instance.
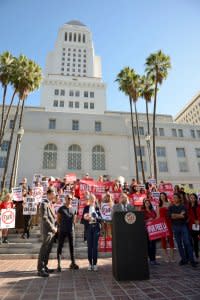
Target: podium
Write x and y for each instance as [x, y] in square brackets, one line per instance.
[129, 246]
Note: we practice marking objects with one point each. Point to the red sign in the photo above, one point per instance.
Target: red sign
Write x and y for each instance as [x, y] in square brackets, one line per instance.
[157, 229]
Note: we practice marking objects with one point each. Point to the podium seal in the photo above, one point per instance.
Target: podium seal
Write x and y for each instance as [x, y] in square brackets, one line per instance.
[130, 218]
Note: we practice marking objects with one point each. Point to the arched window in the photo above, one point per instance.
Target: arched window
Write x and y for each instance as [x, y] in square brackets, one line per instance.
[98, 158]
[50, 156]
[74, 37]
[83, 38]
[70, 36]
[79, 37]
[74, 157]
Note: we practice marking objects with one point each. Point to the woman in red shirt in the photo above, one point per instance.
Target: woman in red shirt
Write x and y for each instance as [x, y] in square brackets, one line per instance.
[5, 204]
[149, 215]
[194, 221]
[163, 213]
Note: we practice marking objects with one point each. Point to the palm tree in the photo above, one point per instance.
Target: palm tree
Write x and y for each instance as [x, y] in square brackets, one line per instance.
[6, 68]
[122, 81]
[134, 90]
[146, 92]
[30, 81]
[26, 77]
[157, 66]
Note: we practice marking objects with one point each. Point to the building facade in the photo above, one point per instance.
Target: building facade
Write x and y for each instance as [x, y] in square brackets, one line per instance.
[72, 132]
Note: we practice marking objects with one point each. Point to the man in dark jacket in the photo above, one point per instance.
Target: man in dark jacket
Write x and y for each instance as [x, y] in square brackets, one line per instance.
[48, 230]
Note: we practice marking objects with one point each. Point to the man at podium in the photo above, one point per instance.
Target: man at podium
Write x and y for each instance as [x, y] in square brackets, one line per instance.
[123, 204]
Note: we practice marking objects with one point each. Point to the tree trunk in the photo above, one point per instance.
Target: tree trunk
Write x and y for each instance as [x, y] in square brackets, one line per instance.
[134, 144]
[139, 144]
[13, 173]
[3, 109]
[6, 118]
[9, 147]
[147, 114]
[154, 129]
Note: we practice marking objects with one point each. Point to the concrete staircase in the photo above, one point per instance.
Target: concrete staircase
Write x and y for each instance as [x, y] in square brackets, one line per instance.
[18, 248]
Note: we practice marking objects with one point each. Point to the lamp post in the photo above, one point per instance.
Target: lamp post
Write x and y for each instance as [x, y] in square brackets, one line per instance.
[20, 134]
[148, 139]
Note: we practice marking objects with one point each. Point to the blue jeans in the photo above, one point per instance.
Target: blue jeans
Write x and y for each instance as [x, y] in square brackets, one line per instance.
[92, 234]
[182, 238]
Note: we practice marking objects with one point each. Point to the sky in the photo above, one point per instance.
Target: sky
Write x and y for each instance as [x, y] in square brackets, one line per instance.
[124, 33]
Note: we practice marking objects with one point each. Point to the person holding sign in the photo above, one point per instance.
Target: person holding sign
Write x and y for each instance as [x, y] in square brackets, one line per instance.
[92, 218]
[66, 218]
[48, 230]
[194, 221]
[5, 204]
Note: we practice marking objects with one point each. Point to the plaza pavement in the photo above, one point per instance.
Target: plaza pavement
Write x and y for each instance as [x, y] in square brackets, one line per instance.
[18, 281]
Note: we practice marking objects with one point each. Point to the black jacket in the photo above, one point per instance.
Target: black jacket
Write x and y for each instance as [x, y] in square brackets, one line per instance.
[86, 211]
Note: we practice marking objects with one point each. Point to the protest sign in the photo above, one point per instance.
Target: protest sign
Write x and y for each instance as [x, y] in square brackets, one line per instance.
[152, 181]
[30, 206]
[17, 193]
[106, 210]
[157, 229]
[70, 178]
[38, 193]
[7, 218]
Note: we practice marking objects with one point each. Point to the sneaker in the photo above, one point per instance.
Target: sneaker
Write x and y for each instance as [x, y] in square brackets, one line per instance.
[95, 268]
[74, 266]
[90, 268]
[5, 241]
[182, 262]
[42, 273]
[47, 270]
[194, 264]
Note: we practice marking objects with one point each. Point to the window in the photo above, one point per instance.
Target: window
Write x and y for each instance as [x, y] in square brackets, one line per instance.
[84, 38]
[62, 104]
[141, 130]
[70, 36]
[161, 132]
[91, 94]
[140, 166]
[71, 93]
[2, 162]
[183, 167]
[138, 150]
[98, 158]
[84, 71]
[11, 125]
[79, 37]
[198, 132]
[91, 105]
[52, 124]
[174, 133]
[163, 167]
[69, 49]
[197, 150]
[74, 157]
[180, 132]
[75, 125]
[86, 105]
[77, 93]
[97, 126]
[199, 166]
[71, 104]
[55, 103]
[74, 37]
[156, 131]
[192, 132]
[62, 92]
[50, 156]
[65, 36]
[86, 94]
[4, 146]
[56, 92]
[180, 152]
[76, 104]
[161, 151]
[190, 185]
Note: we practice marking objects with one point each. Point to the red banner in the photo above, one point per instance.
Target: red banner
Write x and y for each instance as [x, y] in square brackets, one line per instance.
[157, 229]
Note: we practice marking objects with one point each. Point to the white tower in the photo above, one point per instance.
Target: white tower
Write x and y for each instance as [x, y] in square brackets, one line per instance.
[73, 79]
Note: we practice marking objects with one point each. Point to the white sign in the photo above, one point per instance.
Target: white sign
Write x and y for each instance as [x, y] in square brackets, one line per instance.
[75, 202]
[106, 211]
[152, 181]
[38, 193]
[17, 193]
[7, 218]
[30, 206]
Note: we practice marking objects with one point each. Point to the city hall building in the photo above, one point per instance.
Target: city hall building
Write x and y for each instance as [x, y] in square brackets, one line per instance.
[73, 132]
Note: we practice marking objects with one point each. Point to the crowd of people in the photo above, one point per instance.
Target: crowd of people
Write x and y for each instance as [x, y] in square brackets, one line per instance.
[181, 214]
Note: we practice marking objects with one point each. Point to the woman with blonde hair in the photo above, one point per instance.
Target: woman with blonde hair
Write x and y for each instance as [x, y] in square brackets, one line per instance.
[6, 204]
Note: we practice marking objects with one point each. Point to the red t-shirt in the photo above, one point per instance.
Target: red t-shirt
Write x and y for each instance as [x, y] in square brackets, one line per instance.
[5, 205]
